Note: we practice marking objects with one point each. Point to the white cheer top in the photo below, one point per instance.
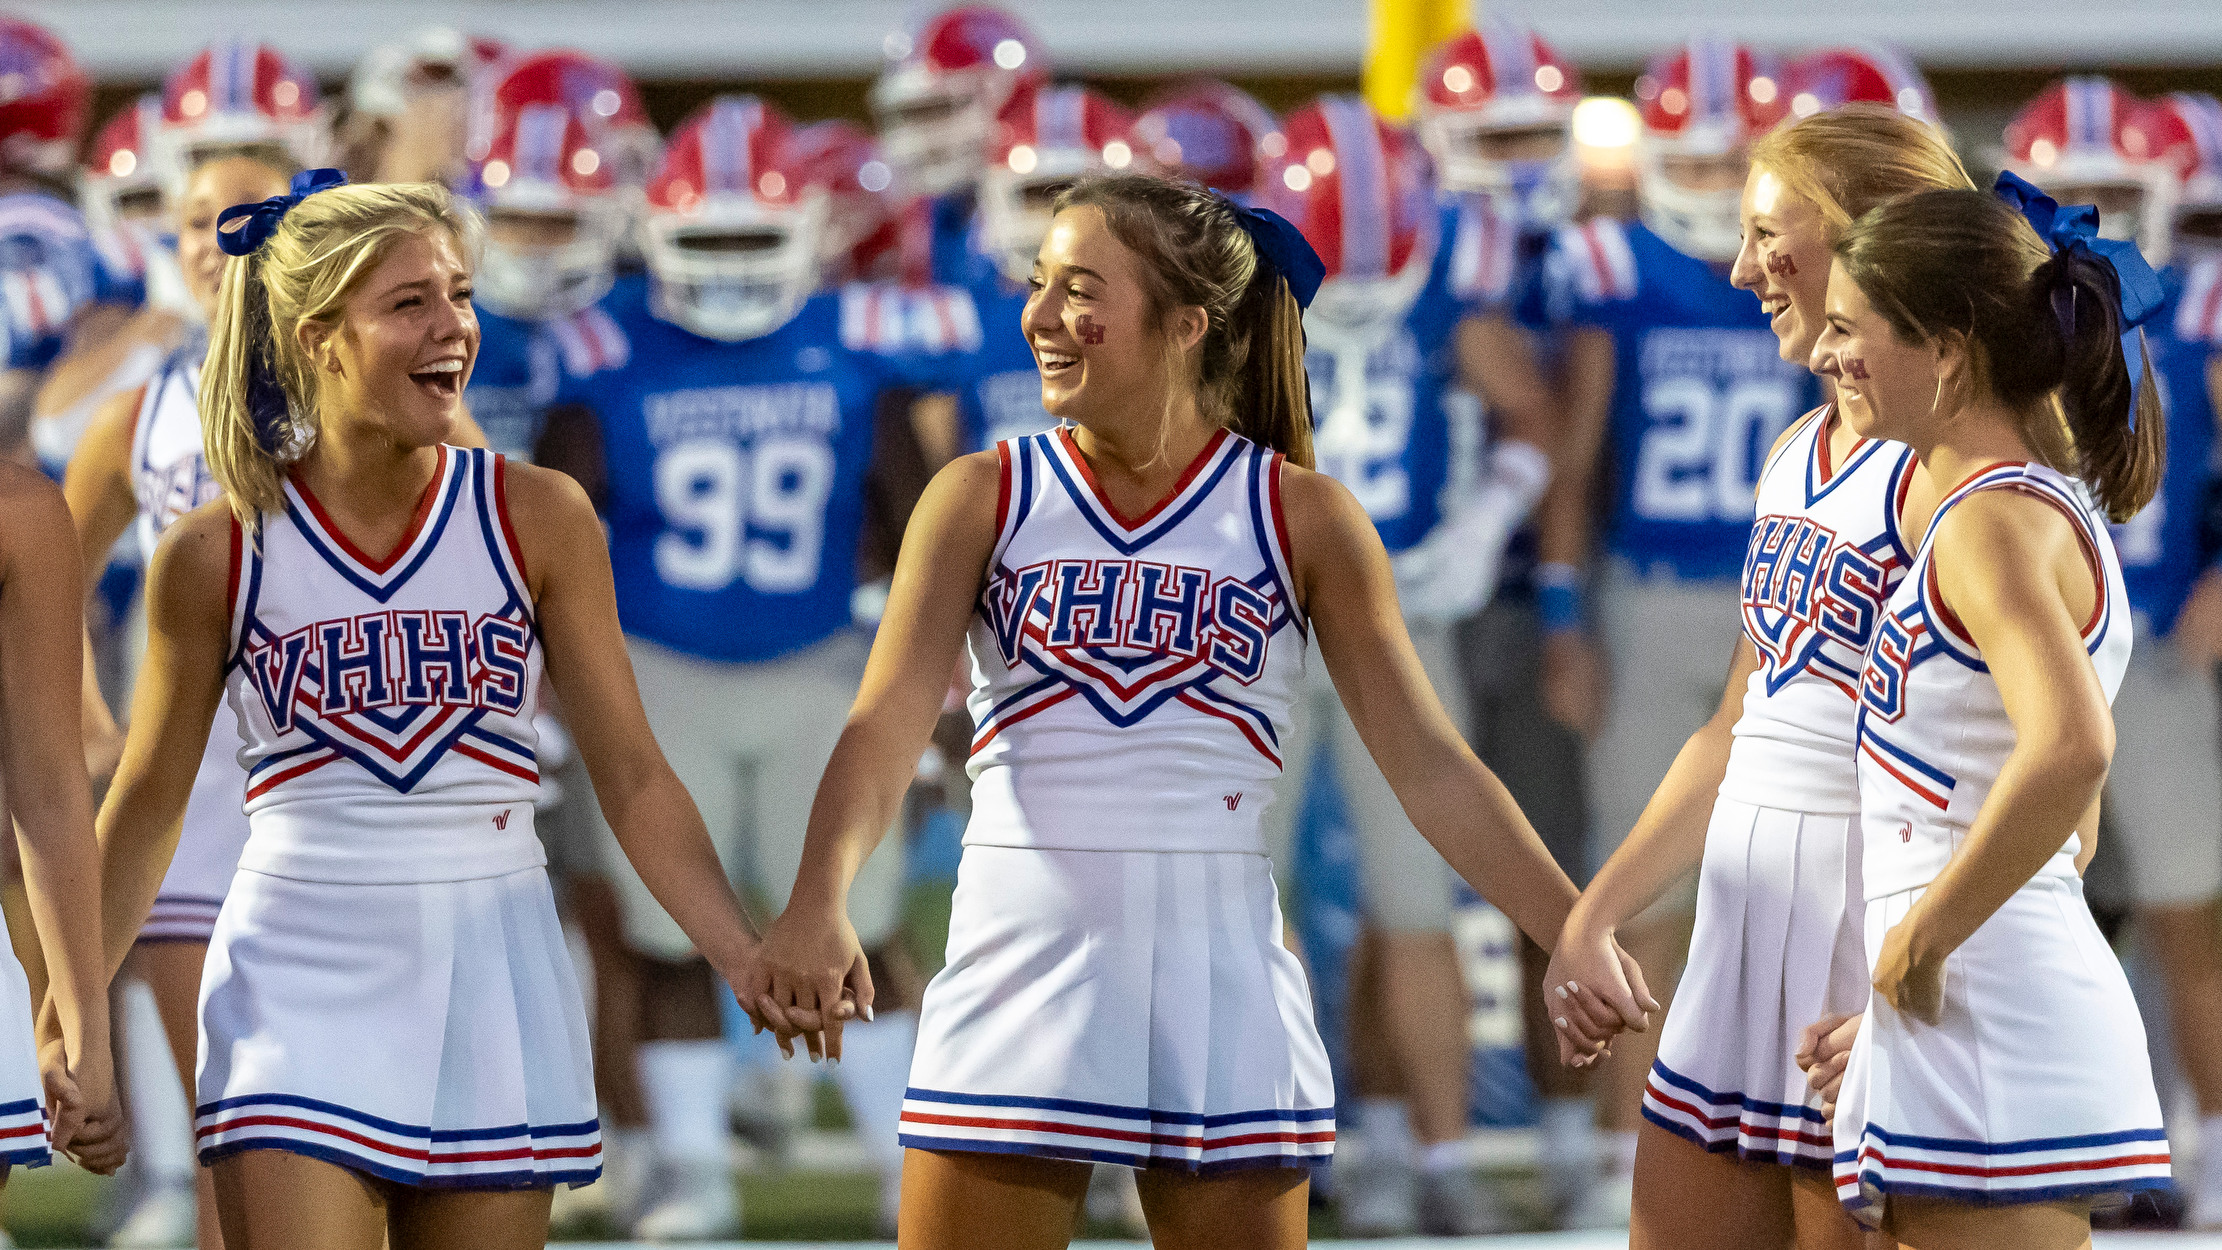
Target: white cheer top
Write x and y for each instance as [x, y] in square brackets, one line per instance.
[1933, 732]
[387, 705]
[1132, 679]
[1824, 555]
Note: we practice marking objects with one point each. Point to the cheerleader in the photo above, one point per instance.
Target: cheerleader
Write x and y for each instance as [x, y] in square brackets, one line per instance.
[1998, 1087]
[392, 1042]
[1137, 589]
[61, 1094]
[1763, 799]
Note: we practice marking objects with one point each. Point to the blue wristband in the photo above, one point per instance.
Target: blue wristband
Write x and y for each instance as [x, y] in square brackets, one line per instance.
[1558, 598]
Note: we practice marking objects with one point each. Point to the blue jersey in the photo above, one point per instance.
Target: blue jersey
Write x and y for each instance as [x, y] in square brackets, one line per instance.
[950, 230]
[999, 390]
[1700, 395]
[512, 382]
[1393, 423]
[736, 472]
[2160, 547]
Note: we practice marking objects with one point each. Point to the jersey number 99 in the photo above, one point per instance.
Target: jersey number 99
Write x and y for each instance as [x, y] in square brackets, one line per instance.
[755, 513]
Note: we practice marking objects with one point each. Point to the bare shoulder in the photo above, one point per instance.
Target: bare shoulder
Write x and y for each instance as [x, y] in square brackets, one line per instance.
[1317, 505]
[541, 496]
[967, 490]
[1999, 551]
[36, 517]
[197, 546]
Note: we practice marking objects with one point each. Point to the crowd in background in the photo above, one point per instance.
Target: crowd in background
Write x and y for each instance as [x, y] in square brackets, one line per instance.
[753, 339]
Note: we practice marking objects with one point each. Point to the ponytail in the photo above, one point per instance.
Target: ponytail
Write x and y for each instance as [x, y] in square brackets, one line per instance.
[2044, 330]
[259, 393]
[1250, 375]
[2120, 453]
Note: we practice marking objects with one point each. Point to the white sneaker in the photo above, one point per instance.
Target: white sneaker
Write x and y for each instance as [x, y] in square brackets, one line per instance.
[1378, 1198]
[1605, 1204]
[1459, 1204]
[1114, 1199]
[697, 1203]
[164, 1217]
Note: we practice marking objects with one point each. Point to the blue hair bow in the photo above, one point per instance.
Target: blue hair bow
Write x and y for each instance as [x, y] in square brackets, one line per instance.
[2137, 287]
[1284, 247]
[262, 219]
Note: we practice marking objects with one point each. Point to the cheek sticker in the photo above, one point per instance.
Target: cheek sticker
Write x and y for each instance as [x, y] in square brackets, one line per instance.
[1090, 333]
[1856, 369]
[1781, 263]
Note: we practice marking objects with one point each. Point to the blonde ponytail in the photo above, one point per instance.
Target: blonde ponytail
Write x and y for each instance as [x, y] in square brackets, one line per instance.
[259, 398]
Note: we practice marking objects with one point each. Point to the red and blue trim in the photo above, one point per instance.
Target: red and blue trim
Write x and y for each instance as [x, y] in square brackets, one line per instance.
[1731, 1122]
[2038, 1169]
[1093, 1132]
[514, 1156]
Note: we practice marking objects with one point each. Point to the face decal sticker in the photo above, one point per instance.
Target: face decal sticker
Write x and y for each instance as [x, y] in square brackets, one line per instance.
[1091, 333]
[1781, 263]
[1856, 369]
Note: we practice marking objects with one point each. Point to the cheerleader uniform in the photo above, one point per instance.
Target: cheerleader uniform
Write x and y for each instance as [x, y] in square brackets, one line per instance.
[388, 987]
[1777, 940]
[169, 478]
[1116, 990]
[2034, 1086]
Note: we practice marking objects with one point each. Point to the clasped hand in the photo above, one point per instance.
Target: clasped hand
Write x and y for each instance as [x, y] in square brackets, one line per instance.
[806, 979]
[1594, 991]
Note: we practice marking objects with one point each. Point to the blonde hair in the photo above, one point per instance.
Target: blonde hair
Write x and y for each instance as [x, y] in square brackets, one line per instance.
[303, 273]
[1850, 159]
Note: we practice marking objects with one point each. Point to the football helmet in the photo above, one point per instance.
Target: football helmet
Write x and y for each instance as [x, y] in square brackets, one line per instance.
[552, 212]
[734, 224]
[45, 99]
[1495, 108]
[1046, 138]
[236, 94]
[1211, 132]
[1358, 189]
[123, 179]
[1702, 106]
[2184, 132]
[946, 82]
[862, 229]
[1866, 75]
[596, 91]
[2083, 140]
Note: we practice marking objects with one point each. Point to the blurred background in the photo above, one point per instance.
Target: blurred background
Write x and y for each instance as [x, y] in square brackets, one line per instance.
[408, 89]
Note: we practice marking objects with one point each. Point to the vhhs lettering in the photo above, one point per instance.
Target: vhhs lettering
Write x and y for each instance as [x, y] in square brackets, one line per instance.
[1131, 606]
[394, 659]
[1798, 568]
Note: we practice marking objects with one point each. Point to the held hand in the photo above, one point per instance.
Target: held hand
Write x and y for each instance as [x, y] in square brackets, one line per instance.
[809, 978]
[1823, 1050]
[1573, 681]
[85, 1116]
[2198, 633]
[1912, 984]
[1593, 991]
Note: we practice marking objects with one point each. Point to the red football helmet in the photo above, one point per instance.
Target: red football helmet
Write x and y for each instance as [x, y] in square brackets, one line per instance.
[1495, 108]
[733, 223]
[936, 103]
[1212, 132]
[2082, 140]
[861, 217]
[44, 99]
[123, 178]
[1865, 75]
[2183, 130]
[1358, 189]
[1702, 106]
[553, 216]
[594, 90]
[236, 94]
[431, 57]
[1046, 138]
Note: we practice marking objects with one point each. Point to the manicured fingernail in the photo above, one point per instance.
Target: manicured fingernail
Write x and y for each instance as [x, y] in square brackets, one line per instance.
[867, 1015]
[1559, 1021]
[1574, 987]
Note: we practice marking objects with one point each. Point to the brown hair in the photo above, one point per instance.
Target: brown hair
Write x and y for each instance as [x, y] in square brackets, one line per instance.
[1849, 159]
[2039, 326]
[1195, 253]
[303, 273]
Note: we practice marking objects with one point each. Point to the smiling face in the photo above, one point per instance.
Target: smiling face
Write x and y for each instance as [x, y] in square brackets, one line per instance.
[398, 356]
[1784, 260]
[1100, 347]
[215, 186]
[1885, 386]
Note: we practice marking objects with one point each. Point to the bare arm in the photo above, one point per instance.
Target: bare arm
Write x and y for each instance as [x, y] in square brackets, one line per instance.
[180, 684]
[656, 822]
[811, 953]
[100, 342]
[1573, 669]
[1458, 805]
[40, 750]
[2009, 566]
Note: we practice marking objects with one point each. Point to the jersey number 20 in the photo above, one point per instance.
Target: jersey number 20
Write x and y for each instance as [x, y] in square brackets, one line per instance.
[756, 513]
[1703, 447]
